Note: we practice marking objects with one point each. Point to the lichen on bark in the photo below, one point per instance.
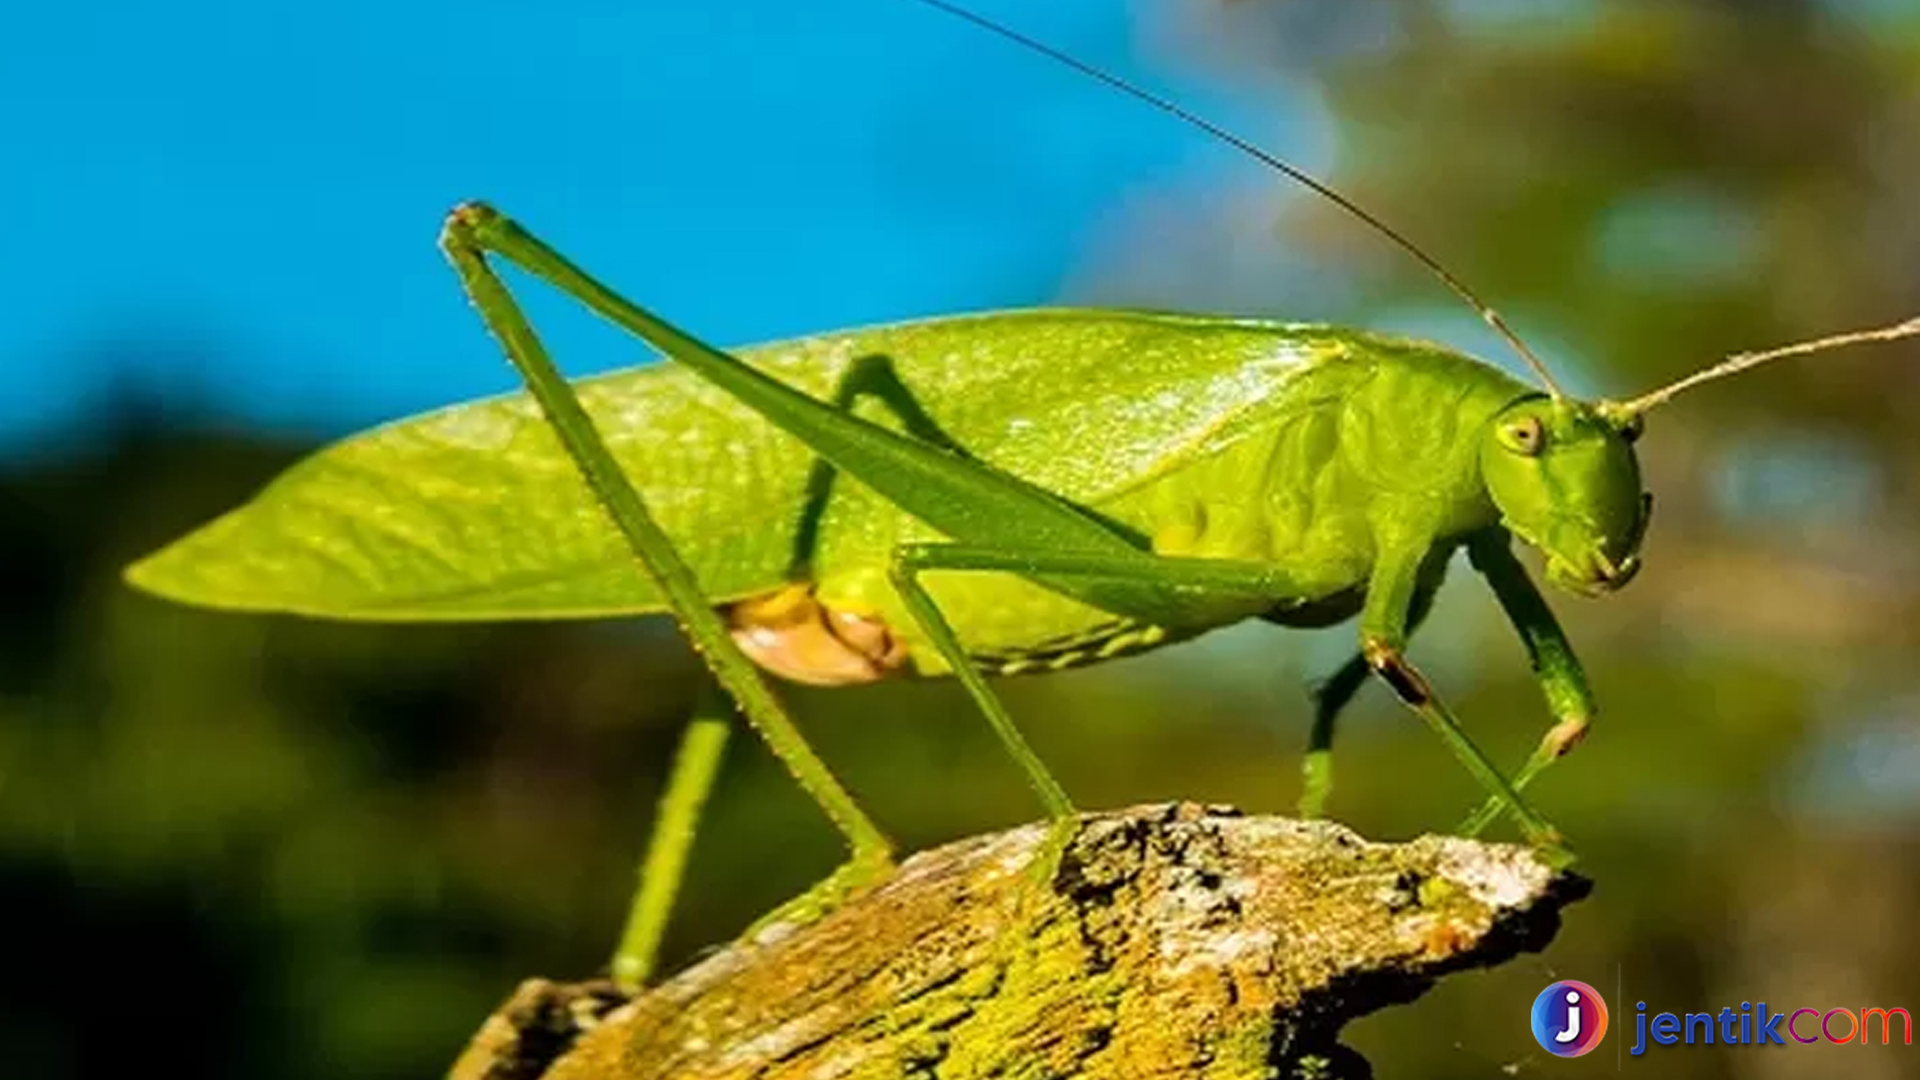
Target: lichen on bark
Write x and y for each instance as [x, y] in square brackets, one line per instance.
[1166, 941]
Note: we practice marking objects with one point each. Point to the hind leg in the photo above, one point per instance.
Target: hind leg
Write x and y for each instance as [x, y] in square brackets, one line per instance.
[695, 765]
[472, 233]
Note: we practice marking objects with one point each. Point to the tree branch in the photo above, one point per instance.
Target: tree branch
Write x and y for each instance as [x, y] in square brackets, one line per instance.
[1170, 941]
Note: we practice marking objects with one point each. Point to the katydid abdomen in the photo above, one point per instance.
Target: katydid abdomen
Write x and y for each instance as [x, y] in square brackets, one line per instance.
[1206, 437]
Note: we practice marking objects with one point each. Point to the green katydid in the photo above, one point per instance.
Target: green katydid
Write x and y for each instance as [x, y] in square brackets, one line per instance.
[972, 495]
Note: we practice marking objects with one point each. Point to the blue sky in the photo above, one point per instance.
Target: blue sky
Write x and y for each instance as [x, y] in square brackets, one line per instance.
[235, 204]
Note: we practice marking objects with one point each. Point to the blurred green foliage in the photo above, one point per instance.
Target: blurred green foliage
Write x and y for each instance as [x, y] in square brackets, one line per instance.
[298, 849]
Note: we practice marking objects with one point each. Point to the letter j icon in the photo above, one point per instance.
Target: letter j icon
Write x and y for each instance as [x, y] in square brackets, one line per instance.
[1569, 1018]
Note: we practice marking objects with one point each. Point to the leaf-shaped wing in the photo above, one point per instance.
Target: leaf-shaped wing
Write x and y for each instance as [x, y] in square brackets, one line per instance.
[474, 512]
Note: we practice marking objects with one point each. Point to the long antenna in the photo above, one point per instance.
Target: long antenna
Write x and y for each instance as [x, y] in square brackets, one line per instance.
[1739, 362]
[1270, 160]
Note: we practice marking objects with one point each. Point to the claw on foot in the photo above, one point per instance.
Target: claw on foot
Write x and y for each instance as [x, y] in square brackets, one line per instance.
[1045, 866]
[854, 878]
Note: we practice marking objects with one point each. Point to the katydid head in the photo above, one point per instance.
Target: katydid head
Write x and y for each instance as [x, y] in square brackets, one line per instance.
[1565, 479]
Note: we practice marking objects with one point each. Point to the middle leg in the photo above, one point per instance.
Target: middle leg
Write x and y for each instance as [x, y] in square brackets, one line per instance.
[1143, 585]
[1329, 699]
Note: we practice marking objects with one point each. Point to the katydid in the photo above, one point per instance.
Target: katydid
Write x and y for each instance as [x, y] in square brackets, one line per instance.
[974, 495]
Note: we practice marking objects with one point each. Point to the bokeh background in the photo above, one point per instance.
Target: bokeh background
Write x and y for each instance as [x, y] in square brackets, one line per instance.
[266, 847]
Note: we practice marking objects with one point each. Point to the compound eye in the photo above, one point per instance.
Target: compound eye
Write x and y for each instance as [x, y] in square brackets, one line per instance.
[1524, 436]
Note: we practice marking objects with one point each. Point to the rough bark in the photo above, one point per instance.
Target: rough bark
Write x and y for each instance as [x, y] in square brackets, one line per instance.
[1167, 941]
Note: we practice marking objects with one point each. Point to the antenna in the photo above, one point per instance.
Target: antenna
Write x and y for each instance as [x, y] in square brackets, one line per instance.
[1739, 362]
[1270, 160]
